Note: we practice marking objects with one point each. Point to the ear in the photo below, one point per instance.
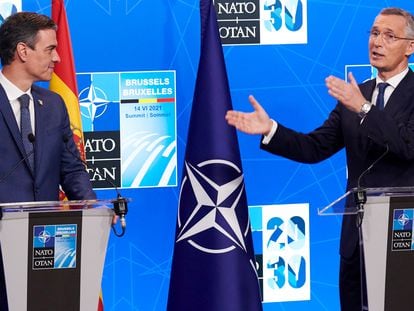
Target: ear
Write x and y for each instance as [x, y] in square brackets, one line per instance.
[410, 48]
[22, 51]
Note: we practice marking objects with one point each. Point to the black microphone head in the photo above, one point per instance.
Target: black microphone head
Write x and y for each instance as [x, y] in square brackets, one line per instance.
[31, 138]
[65, 138]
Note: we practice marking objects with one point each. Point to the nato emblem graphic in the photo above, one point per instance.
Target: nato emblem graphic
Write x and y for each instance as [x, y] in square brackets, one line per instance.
[215, 211]
[262, 21]
[129, 122]
[94, 103]
[54, 246]
[402, 231]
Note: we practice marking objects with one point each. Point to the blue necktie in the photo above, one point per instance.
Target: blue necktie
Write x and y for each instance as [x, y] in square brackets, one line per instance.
[26, 127]
[380, 99]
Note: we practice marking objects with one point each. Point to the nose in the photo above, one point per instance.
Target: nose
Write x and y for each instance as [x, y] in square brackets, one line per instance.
[56, 57]
[379, 37]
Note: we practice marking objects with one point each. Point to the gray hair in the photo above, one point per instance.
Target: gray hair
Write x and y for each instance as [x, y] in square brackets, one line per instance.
[409, 19]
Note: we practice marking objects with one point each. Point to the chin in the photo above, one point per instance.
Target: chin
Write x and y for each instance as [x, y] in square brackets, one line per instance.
[47, 77]
[376, 64]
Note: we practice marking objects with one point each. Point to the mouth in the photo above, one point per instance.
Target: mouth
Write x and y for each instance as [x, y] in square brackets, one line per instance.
[377, 55]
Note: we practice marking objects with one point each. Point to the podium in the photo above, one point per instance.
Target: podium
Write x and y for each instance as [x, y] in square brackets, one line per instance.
[54, 252]
[386, 226]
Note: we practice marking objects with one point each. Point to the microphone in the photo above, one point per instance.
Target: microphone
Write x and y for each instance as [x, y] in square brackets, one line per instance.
[120, 204]
[360, 196]
[32, 139]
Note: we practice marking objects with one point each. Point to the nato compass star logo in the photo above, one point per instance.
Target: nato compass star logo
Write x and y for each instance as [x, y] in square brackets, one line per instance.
[93, 102]
[44, 236]
[403, 219]
[208, 213]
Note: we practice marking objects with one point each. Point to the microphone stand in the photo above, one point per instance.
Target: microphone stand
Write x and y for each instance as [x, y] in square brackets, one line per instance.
[31, 138]
[360, 195]
[360, 198]
[120, 203]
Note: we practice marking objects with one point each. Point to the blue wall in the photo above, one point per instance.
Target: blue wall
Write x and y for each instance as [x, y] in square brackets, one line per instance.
[134, 35]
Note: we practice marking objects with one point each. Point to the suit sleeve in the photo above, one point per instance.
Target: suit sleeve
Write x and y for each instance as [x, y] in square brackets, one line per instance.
[74, 177]
[312, 147]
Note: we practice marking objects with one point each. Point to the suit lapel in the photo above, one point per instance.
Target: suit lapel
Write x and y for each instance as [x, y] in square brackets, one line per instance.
[40, 126]
[368, 88]
[10, 120]
[400, 97]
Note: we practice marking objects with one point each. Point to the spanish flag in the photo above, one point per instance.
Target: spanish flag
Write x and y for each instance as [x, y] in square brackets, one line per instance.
[64, 83]
[63, 80]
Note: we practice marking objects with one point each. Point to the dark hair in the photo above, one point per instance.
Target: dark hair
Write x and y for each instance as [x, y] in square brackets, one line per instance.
[21, 27]
[409, 19]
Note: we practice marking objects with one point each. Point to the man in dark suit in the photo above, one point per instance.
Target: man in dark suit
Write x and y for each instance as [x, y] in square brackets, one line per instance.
[37, 156]
[366, 131]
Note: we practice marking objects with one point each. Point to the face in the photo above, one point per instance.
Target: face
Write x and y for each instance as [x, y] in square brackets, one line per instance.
[41, 60]
[390, 57]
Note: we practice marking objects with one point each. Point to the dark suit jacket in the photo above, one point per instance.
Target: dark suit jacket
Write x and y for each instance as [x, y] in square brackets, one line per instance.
[364, 143]
[54, 164]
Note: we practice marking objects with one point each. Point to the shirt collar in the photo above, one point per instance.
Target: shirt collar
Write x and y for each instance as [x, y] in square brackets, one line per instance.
[12, 91]
[395, 80]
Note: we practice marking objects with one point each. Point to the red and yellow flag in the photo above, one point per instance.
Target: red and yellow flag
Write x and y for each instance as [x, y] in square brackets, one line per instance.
[63, 79]
[64, 83]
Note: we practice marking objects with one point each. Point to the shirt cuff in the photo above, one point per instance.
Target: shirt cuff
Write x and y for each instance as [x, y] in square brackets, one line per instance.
[268, 137]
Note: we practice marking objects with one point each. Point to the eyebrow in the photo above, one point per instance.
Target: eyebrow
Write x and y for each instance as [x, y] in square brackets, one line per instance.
[386, 29]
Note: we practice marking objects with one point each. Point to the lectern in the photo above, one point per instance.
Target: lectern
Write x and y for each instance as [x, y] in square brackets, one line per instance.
[54, 252]
[386, 226]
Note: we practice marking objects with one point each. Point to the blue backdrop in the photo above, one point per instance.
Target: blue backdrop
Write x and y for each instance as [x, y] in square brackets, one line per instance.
[135, 35]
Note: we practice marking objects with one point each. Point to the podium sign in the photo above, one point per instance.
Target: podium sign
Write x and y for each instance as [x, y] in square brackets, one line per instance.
[388, 240]
[388, 243]
[53, 253]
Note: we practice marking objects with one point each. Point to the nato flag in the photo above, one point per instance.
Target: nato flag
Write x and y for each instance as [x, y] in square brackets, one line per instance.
[213, 265]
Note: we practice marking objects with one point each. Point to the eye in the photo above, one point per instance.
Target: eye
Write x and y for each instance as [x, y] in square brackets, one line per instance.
[374, 33]
[389, 36]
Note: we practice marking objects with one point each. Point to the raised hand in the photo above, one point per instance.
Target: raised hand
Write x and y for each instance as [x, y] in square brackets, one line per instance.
[255, 122]
[348, 94]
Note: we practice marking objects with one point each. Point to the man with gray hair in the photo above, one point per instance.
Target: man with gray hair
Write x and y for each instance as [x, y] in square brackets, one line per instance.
[373, 120]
